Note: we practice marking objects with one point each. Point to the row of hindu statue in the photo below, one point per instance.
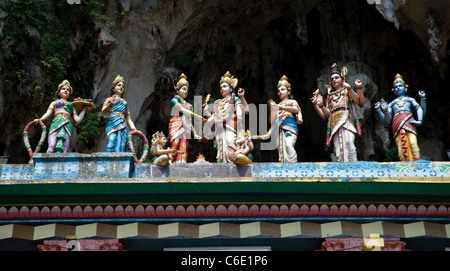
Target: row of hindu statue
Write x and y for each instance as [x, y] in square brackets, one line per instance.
[233, 143]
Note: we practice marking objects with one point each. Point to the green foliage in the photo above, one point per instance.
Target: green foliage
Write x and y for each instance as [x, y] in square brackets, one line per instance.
[89, 129]
[391, 155]
[37, 32]
[27, 12]
[52, 51]
[8, 55]
[94, 8]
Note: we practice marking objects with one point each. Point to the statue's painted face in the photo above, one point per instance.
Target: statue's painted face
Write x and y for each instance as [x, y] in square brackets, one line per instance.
[400, 89]
[336, 80]
[119, 88]
[162, 141]
[283, 93]
[64, 92]
[225, 89]
[183, 92]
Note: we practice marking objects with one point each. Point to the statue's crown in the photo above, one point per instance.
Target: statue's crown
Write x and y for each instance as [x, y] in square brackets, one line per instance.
[65, 83]
[398, 78]
[118, 79]
[158, 134]
[182, 81]
[335, 69]
[229, 79]
[284, 81]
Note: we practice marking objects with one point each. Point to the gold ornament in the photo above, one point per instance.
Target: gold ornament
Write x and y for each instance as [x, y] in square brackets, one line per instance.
[398, 79]
[229, 79]
[284, 81]
[182, 81]
[118, 79]
[344, 73]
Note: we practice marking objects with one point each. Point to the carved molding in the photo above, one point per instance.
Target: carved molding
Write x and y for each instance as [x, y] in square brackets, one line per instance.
[224, 210]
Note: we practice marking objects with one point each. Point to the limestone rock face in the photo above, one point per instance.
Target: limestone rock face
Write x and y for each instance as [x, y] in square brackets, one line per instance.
[428, 19]
[152, 42]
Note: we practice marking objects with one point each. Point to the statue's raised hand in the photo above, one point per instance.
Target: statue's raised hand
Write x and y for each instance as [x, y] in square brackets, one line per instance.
[114, 99]
[358, 83]
[317, 99]
[422, 94]
[384, 105]
[377, 106]
[241, 93]
[381, 105]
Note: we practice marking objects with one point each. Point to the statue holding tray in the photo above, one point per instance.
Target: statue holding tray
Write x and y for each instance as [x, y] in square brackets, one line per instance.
[61, 128]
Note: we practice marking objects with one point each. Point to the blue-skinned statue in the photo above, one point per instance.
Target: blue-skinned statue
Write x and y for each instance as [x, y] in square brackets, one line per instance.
[399, 114]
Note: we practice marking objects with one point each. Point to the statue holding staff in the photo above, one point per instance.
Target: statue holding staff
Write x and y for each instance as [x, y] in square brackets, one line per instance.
[340, 112]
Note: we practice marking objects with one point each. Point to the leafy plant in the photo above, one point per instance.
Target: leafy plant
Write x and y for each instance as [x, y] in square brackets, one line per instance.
[391, 155]
[89, 129]
[51, 23]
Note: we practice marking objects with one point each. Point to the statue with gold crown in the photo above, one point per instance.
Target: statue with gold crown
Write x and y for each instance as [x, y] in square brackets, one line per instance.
[284, 119]
[340, 112]
[180, 126]
[399, 115]
[116, 109]
[226, 118]
[61, 129]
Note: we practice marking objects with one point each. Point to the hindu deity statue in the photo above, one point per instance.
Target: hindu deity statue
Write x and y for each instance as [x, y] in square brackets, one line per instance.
[226, 118]
[180, 126]
[340, 112]
[285, 117]
[398, 113]
[241, 153]
[161, 156]
[116, 108]
[61, 127]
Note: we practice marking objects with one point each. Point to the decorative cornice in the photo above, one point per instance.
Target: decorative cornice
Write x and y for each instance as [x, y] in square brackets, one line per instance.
[224, 211]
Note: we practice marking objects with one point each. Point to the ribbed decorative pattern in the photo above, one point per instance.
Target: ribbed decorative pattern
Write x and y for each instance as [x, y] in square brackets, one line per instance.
[220, 210]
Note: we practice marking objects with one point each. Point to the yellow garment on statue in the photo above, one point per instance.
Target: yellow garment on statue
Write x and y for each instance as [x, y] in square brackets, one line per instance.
[412, 148]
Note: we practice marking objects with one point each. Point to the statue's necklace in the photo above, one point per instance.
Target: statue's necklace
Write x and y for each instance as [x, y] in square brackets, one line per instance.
[224, 101]
[400, 101]
[337, 95]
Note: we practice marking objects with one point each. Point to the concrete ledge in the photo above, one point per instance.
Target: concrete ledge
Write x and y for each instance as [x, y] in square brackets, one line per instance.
[101, 166]
[75, 165]
[188, 170]
[11, 172]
